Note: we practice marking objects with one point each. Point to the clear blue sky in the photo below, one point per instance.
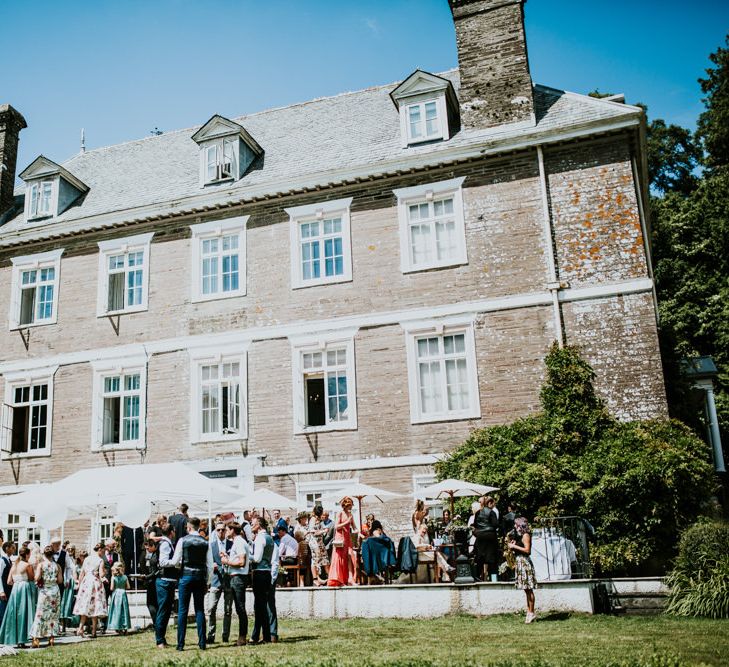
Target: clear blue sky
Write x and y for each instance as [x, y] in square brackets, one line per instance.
[120, 69]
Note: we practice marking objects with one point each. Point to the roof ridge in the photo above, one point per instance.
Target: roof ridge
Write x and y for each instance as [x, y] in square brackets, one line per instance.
[250, 115]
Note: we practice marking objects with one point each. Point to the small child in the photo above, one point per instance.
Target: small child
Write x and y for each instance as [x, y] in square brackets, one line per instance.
[118, 618]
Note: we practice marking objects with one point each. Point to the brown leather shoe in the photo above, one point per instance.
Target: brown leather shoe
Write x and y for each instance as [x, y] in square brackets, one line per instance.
[274, 639]
[242, 641]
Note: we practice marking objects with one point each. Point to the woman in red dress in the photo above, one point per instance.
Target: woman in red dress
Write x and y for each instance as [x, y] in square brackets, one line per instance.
[341, 570]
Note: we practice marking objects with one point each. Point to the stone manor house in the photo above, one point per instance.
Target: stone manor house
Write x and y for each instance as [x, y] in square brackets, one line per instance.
[336, 290]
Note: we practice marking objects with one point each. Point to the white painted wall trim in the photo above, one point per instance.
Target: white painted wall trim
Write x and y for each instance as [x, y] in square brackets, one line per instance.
[375, 463]
[361, 321]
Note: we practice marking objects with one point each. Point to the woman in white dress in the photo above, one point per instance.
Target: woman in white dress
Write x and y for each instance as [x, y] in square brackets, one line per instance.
[91, 598]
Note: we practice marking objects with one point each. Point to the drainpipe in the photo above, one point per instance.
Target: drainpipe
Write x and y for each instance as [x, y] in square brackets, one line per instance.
[553, 283]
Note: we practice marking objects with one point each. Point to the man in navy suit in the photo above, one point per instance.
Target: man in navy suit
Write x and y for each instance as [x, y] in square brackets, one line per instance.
[220, 585]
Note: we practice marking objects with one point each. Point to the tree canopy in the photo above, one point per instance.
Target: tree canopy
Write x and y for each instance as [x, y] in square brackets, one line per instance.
[639, 483]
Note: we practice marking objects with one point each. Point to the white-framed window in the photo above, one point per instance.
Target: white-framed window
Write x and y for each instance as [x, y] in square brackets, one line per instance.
[123, 275]
[219, 400]
[321, 245]
[432, 226]
[42, 198]
[105, 528]
[34, 290]
[442, 372]
[19, 528]
[424, 119]
[219, 259]
[324, 492]
[325, 395]
[220, 159]
[119, 404]
[26, 415]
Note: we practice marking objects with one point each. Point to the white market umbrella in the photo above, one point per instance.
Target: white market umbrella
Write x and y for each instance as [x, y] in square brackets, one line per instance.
[264, 498]
[359, 491]
[456, 488]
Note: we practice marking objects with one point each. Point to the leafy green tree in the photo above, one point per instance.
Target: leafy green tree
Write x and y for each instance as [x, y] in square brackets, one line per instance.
[639, 483]
[713, 125]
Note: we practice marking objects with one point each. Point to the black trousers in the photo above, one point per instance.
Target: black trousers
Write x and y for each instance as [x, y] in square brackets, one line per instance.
[238, 584]
[487, 545]
[261, 584]
[152, 599]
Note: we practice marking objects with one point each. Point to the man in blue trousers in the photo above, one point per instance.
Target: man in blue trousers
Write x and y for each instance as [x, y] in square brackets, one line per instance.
[194, 557]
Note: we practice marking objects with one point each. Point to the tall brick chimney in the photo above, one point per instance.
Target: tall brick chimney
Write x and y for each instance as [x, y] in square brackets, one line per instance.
[11, 122]
[496, 85]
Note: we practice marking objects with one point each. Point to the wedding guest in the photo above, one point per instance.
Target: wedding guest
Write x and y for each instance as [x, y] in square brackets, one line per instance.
[315, 536]
[342, 570]
[237, 561]
[110, 557]
[70, 581]
[119, 619]
[91, 600]
[220, 544]
[8, 551]
[20, 609]
[302, 526]
[196, 562]
[520, 542]
[366, 527]
[263, 550]
[288, 547]
[179, 522]
[271, 604]
[420, 515]
[329, 535]
[152, 570]
[508, 520]
[485, 525]
[166, 584]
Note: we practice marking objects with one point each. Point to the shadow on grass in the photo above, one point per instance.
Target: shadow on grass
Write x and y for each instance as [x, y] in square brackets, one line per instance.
[556, 616]
[296, 640]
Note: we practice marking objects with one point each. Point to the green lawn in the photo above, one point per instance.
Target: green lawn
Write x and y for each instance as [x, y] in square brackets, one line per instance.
[559, 639]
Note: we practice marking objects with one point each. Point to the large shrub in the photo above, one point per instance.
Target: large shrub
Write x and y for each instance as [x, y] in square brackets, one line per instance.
[699, 581]
[639, 483]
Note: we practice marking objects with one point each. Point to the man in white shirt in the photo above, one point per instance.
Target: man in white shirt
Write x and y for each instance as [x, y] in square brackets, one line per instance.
[220, 586]
[288, 547]
[237, 560]
[195, 559]
[165, 585]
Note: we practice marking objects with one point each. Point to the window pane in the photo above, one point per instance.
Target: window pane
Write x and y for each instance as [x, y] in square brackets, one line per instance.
[28, 277]
[446, 244]
[210, 275]
[431, 119]
[210, 409]
[131, 382]
[116, 262]
[136, 259]
[230, 242]
[111, 384]
[116, 292]
[415, 122]
[48, 274]
[230, 273]
[430, 387]
[111, 419]
[134, 288]
[457, 381]
[27, 305]
[131, 418]
[420, 240]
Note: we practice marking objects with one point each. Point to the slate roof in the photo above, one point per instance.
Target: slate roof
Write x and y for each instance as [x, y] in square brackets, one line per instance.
[321, 137]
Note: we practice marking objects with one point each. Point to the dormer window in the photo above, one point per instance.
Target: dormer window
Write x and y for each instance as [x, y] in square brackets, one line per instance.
[423, 122]
[221, 160]
[428, 108]
[226, 150]
[50, 189]
[41, 198]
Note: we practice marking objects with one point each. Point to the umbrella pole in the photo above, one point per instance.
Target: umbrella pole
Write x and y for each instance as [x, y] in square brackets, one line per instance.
[452, 506]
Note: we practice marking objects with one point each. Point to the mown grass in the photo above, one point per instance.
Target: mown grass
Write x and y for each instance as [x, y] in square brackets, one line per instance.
[502, 641]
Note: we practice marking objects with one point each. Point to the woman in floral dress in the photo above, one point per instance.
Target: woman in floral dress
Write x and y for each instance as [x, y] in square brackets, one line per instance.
[48, 578]
[520, 542]
[91, 598]
[315, 537]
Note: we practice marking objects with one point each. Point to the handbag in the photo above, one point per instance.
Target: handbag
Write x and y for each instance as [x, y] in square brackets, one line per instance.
[338, 543]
